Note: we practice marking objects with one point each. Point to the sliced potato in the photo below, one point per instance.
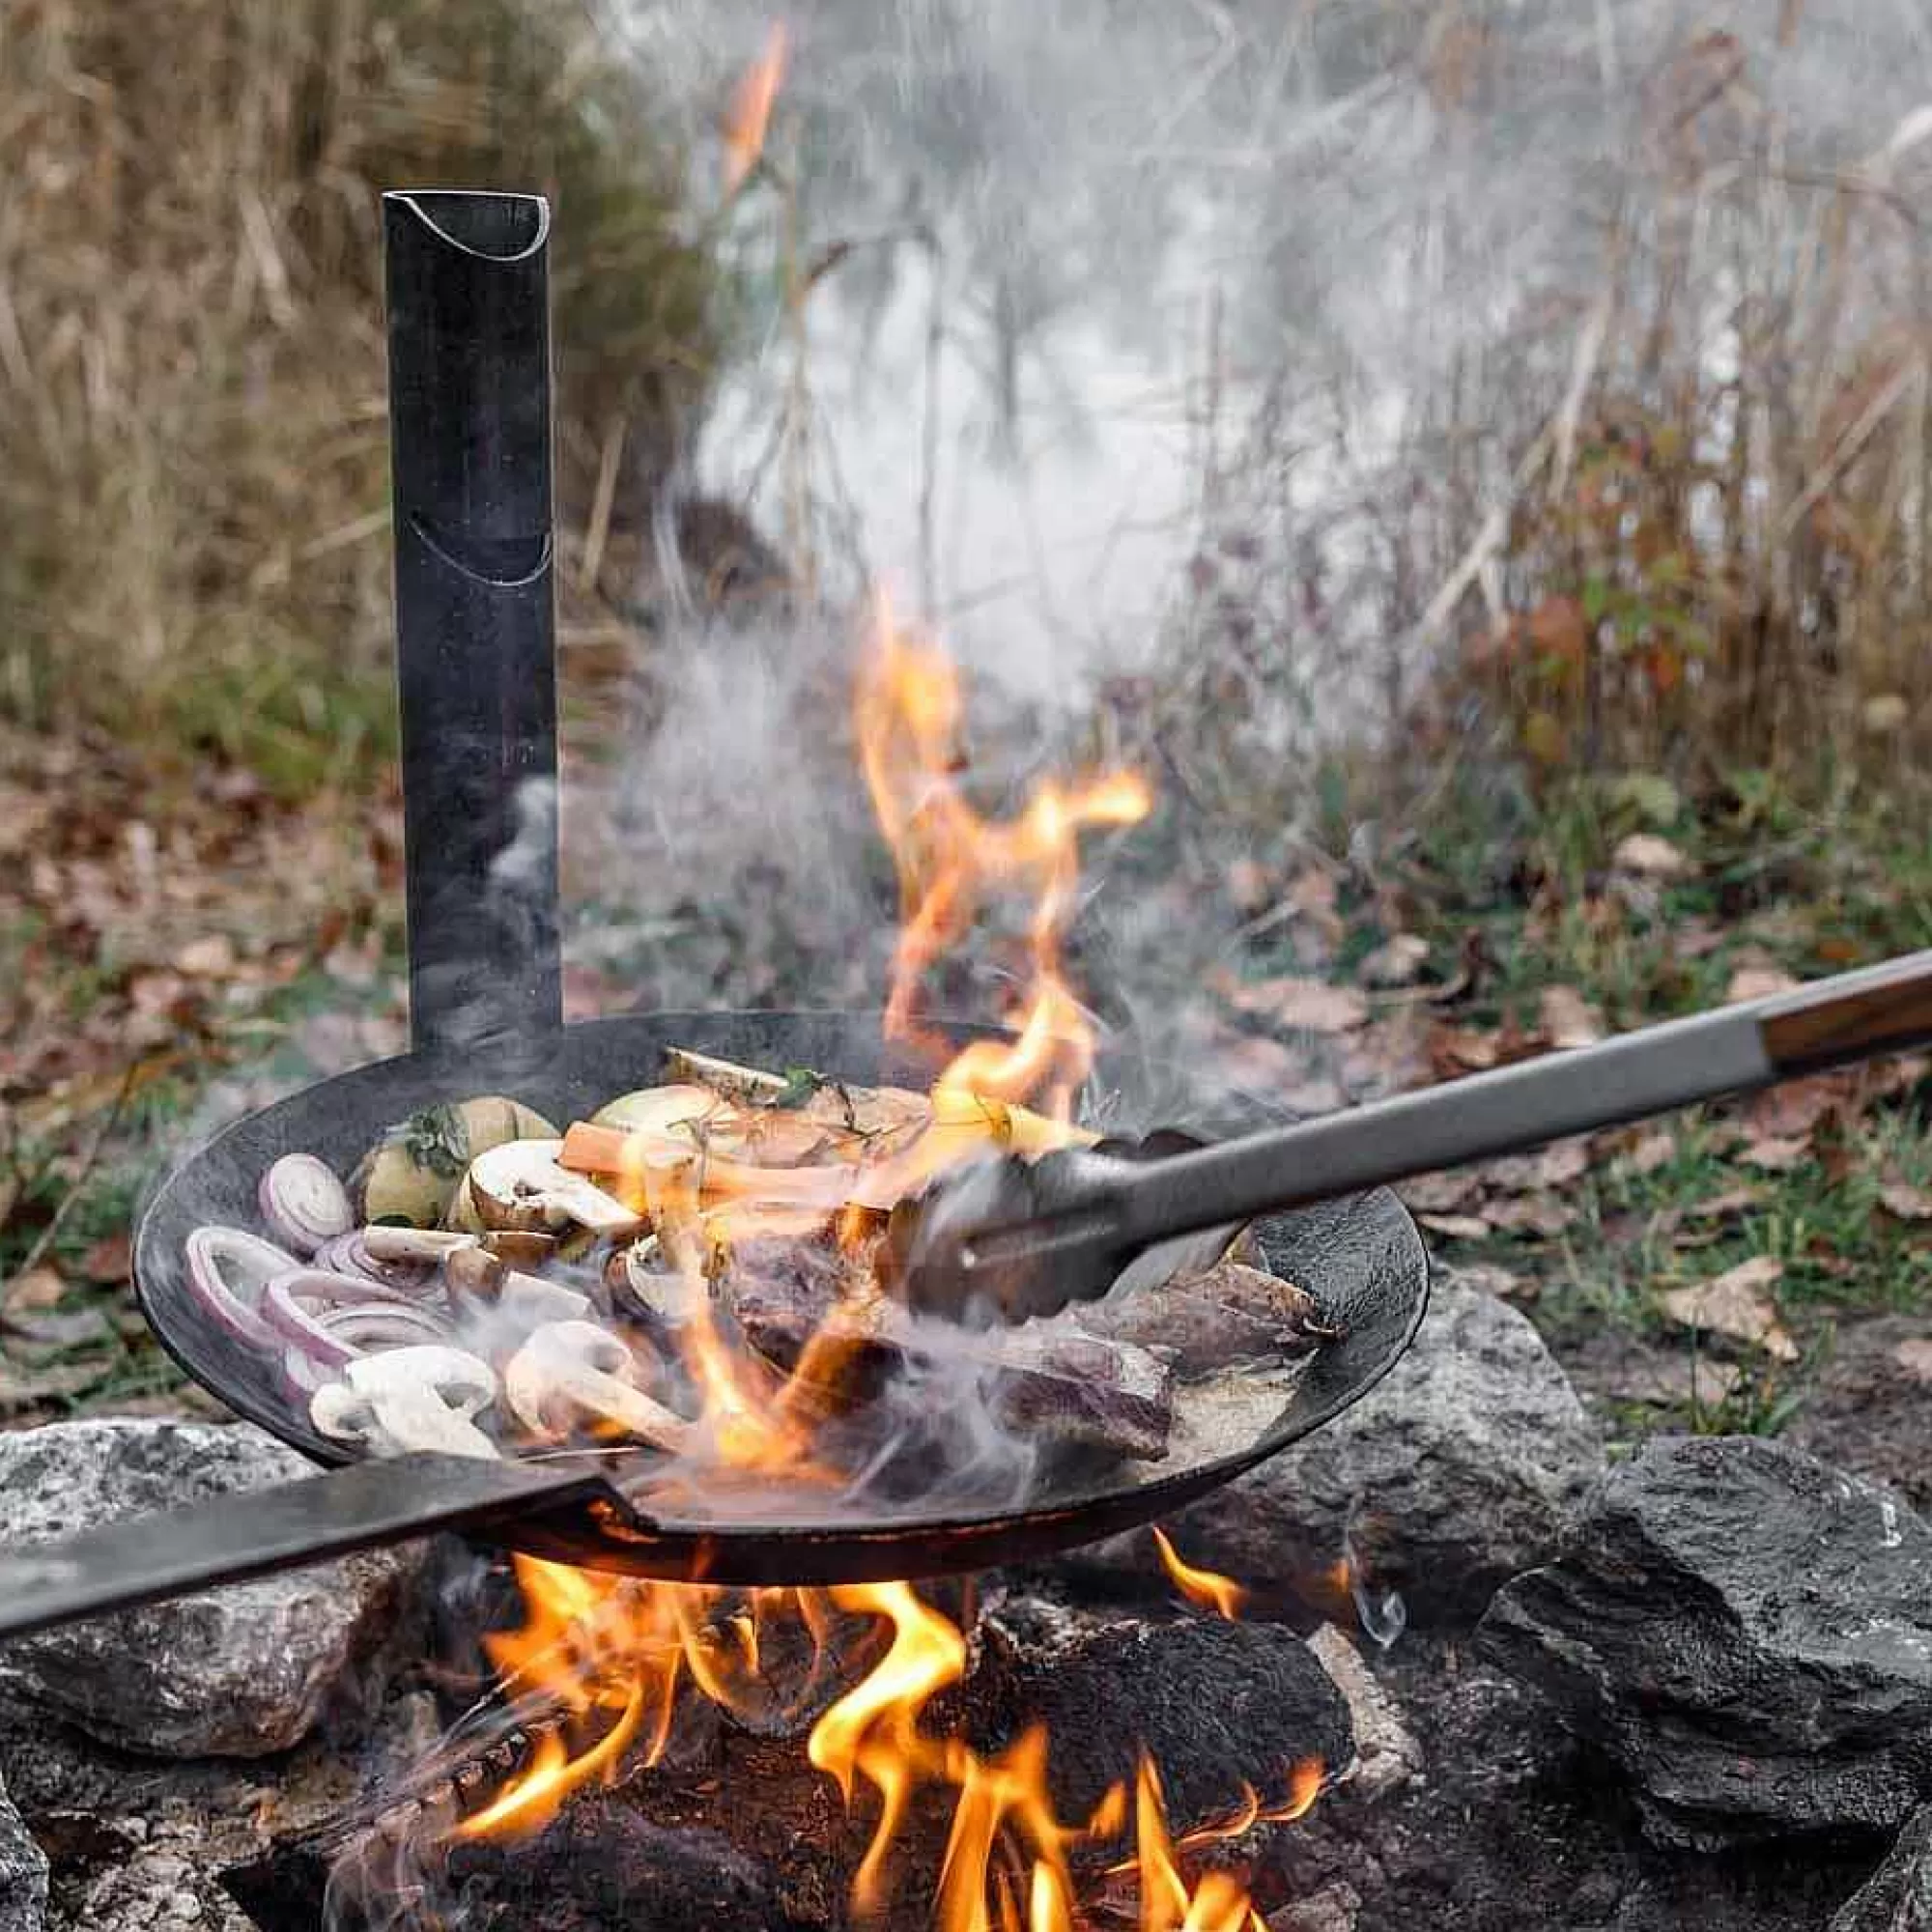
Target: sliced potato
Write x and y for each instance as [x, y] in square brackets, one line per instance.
[724, 1076]
[414, 1173]
[660, 1110]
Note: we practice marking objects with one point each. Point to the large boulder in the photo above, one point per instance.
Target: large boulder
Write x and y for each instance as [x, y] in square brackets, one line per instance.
[1460, 1469]
[242, 1672]
[23, 1874]
[1748, 1633]
[1899, 1897]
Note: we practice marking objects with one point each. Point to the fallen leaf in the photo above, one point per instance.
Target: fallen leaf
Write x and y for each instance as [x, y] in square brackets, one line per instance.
[1734, 1304]
[1454, 1227]
[1308, 1005]
[1249, 889]
[1775, 1156]
[211, 957]
[1568, 1018]
[110, 1260]
[1655, 1149]
[1396, 962]
[1486, 1278]
[1540, 1215]
[1464, 1050]
[1696, 940]
[1733, 1202]
[1757, 983]
[1905, 1202]
[1441, 1193]
[39, 1288]
[1799, 1107]
[1679, 1382]
[1915, 1357]
[1555, 1166]
[60, 1327]
[1646, 856]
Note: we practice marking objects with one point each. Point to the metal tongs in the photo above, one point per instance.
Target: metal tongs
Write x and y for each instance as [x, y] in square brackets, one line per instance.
[1012, 1238]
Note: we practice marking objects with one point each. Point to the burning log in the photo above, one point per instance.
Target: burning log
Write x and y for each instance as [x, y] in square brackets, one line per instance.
[1228, 1712]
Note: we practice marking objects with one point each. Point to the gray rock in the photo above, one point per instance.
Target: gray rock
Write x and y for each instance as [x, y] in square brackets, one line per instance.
[23, 1874]
[1748, 1633]
[243, 1671]
[1455, 1473]
[1899, 1897]
[1335, 1908]
[1388, 1755]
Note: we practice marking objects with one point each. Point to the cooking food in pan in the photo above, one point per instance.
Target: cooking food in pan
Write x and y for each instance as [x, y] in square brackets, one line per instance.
[696, 1257]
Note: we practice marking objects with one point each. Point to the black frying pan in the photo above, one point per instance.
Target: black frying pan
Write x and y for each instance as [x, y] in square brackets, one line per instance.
[469, 415]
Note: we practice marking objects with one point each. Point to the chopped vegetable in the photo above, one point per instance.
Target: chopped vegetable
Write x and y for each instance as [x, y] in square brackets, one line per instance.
[414, 1174]
[332, 1317]
[228, 1272]
[521, 1186]
[303, 1203]
[572, 1371]
[405, 1399]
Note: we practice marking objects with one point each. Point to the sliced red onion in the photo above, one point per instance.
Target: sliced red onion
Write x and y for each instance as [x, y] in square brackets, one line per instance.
[397, 1324]
[349, 1254]
[333, 1318]
[303, 1203]
[228, 1272]
[302, 1375]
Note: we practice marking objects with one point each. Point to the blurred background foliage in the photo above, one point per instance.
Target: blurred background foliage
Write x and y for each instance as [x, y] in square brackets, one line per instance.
[193, 515]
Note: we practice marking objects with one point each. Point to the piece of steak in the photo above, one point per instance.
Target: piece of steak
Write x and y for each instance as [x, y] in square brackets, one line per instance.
[1217, 1320]
[1055, 1384]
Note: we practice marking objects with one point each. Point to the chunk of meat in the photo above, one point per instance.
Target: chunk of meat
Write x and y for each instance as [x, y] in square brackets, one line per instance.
[1054, 1385]
[1214, 1319]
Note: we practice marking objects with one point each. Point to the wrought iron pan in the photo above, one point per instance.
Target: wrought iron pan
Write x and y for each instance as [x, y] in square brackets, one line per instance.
[1361, 1258]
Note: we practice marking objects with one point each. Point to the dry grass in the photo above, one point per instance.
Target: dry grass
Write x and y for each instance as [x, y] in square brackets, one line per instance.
[1674, 516]
[193, 537]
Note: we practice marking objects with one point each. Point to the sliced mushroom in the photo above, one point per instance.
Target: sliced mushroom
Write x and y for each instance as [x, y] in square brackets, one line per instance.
[521, 1186]
[415, 1244]
[528, 1300]
[572, 1371]
[404, 1399]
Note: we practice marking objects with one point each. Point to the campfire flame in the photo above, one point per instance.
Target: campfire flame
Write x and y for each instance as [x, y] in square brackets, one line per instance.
[612, 1653]
[951, 860]
[611, 1656]
[748, 118]
[1201, 1588]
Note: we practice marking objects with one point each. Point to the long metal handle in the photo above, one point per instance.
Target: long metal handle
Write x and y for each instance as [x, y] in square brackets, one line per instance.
[1849, 1017]
[469, 394]
[146, 1559]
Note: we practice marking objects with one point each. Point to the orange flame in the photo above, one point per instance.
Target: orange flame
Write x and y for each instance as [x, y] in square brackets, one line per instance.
[950, 860]
[611, 1656]
[750, 115]
[1201, 1588]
